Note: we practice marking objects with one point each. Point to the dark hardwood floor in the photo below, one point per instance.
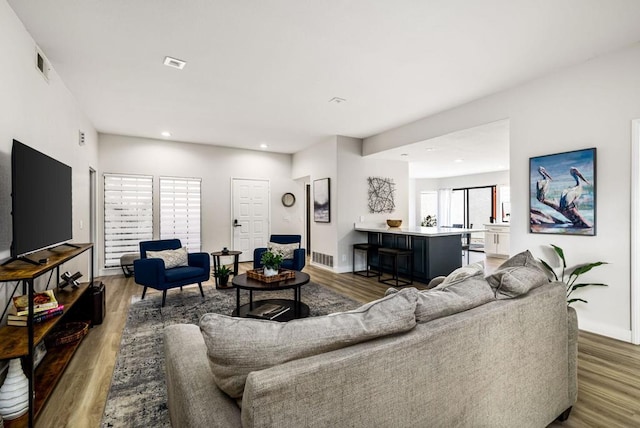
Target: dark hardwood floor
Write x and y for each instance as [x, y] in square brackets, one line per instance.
[608, 370]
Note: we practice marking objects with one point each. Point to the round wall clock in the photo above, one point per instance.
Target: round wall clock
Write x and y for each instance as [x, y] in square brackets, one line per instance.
[288, 199]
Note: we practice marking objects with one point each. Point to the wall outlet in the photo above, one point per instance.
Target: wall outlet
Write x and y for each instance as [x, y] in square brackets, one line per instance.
[361, 218]
[344, 257]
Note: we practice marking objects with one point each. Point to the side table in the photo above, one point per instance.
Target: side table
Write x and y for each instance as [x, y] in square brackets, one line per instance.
[216, 264]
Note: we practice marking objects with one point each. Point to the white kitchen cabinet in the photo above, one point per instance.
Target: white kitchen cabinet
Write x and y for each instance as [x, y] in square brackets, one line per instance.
[496, 240]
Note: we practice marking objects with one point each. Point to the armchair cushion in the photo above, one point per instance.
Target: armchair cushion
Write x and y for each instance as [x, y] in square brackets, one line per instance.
[171, 258]
[183, 272]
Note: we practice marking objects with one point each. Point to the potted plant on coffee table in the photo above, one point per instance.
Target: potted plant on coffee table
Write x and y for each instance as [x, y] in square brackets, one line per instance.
[271, 262]
[222, 273]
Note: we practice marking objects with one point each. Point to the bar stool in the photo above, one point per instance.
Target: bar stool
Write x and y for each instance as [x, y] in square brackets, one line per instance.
[395, 253]
[369, 249]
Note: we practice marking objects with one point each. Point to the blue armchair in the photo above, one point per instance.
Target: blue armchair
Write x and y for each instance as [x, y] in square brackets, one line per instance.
[296, 263]
[151, 272]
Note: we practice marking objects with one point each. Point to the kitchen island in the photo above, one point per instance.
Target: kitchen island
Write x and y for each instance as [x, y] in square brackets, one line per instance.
[436, 250]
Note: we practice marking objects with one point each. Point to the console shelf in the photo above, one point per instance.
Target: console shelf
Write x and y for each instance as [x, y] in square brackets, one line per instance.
[16, 342]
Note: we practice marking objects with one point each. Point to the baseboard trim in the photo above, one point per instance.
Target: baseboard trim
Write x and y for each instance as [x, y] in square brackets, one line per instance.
[605, 330]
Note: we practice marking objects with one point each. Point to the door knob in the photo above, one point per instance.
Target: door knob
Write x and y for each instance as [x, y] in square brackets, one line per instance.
[236, 224]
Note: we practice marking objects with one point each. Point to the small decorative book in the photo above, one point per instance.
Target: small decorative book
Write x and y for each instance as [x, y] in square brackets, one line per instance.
[42, 301]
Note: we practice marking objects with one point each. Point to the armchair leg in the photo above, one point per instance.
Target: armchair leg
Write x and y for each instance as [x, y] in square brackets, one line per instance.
[201, 290]
[144, 291]
[164, 297]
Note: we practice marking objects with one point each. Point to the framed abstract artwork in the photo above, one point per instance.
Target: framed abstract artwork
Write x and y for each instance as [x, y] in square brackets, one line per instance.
[321, 201]
[562, 193]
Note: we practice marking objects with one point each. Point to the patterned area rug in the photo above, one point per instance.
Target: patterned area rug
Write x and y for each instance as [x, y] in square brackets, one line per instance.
[138, 395]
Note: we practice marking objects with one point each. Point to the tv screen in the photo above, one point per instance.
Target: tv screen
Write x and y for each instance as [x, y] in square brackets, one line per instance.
[41, 200]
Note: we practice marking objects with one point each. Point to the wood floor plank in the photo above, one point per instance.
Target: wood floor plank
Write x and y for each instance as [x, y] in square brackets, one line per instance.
[608, 370]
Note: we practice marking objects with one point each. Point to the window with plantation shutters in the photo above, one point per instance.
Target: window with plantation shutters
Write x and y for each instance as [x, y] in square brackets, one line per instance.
[180, 211]
[128, 215]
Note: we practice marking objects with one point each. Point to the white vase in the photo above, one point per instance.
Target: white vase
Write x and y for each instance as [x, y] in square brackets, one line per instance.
[14, 394]
[270, 272]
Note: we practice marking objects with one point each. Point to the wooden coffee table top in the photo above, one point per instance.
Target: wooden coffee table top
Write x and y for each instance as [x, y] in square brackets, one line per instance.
[246, 283]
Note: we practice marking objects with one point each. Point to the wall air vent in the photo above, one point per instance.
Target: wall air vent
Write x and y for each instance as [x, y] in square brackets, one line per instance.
[42, 64]
[173, 62]
[322, 259]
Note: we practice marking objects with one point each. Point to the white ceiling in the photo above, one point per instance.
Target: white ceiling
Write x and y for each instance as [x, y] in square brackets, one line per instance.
[264, 71]
[471, 151]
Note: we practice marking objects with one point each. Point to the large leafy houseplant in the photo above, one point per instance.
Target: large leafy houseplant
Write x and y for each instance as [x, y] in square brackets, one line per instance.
[570, 278]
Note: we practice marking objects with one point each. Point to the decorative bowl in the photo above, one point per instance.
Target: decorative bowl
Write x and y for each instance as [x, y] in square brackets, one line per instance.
[394, 223]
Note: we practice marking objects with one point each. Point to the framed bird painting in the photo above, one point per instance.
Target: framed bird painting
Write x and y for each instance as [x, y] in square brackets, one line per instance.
[562, 193]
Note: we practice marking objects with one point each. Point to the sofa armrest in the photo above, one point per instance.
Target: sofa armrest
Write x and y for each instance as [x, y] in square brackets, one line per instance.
[299, 259]
[257, 256]
[199, 260]
[193, 398]
[149, 272]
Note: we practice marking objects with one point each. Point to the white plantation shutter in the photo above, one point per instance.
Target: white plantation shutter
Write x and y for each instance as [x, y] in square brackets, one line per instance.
[128, 215]
[180, 211]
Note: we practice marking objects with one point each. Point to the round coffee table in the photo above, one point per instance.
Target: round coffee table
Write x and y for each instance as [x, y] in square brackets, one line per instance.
[297, 309]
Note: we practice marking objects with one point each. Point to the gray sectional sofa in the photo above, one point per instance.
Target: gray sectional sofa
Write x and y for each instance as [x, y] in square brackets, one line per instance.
[502, 361]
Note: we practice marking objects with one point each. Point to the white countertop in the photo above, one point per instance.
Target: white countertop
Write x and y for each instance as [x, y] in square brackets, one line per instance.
[416, 231]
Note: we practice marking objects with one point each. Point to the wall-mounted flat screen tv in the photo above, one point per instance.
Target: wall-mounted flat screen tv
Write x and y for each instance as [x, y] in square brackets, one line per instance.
[40, 200]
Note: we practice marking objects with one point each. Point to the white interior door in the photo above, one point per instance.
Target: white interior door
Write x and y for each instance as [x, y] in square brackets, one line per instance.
[250, 216]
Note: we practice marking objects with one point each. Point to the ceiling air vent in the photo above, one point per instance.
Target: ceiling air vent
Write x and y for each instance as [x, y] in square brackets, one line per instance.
[42, 64]
[173, 62]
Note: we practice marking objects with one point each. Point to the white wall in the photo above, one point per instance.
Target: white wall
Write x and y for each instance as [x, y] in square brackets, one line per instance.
[313, 163]
[353, 171]
[216, 166]
[340, 158]
[45, 116]
[588, 105]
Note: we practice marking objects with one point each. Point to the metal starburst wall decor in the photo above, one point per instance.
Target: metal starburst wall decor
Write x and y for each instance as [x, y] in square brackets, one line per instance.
[381, 195]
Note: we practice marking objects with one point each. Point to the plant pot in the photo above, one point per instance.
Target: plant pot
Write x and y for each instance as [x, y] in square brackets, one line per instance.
[224, 280]
[270, 271]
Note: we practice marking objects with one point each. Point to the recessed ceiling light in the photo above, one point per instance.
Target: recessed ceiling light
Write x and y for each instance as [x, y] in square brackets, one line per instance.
[263, 146]
[459, 160]
[429, 149]
[165, 134]
[174, 62]
[337, 100]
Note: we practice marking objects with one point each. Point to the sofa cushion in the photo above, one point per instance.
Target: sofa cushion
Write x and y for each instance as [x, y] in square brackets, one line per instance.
[285, 249]
[517, 276]
[458, 297]
[238, 346]
[460, 274]
[171, 258]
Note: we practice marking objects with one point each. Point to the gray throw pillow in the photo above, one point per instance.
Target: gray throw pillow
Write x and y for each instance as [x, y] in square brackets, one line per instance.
[238, 346]
[517, 276]
[463, 295]
[286, 250]
[461, 274]
[171, 258]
